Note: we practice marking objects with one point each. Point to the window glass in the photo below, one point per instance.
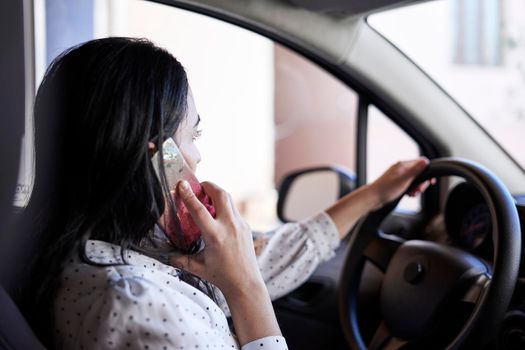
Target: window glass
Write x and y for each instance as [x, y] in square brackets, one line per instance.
[315, 116]
[386, 144]
[476, 51]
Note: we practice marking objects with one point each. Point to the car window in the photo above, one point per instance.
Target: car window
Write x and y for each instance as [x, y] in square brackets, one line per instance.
[387, 142]
[265, 110]
[476, 51]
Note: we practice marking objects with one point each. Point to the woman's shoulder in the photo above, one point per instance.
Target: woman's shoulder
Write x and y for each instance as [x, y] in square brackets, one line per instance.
[142, 295]
[105, 268]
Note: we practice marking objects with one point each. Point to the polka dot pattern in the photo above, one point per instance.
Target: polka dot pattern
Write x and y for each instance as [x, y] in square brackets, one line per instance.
[133, 307]
[144, 305]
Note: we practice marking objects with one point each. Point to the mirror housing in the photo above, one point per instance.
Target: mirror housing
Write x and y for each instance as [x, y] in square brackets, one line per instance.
[306, 192]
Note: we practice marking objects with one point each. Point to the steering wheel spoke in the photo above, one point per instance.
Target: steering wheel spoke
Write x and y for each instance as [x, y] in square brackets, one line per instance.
[384, 340]
[381, 248]
[477, 289]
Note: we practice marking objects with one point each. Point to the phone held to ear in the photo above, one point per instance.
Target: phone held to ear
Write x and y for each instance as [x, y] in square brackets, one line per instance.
[176, 169]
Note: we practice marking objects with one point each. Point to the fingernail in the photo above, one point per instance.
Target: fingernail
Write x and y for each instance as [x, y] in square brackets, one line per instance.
[184, 186]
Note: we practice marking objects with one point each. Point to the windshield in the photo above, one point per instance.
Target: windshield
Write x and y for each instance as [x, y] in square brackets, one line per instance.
[476, 51]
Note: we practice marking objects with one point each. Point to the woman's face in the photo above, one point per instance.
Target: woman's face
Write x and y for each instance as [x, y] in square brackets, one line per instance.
[187, 133]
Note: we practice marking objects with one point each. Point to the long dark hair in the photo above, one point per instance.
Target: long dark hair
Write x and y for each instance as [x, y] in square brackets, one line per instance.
[99, 105]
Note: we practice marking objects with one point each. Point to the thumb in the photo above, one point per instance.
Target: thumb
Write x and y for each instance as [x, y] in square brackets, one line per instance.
[419, 164]
[200, 215]
[412, 168]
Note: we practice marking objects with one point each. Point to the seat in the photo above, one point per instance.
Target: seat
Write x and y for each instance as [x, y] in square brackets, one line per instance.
[15, 249]
[15, 333]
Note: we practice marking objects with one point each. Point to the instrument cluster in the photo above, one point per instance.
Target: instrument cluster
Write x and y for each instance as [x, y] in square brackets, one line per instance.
[468, 220]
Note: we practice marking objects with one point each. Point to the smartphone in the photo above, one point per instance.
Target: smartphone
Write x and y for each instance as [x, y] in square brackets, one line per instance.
[182, 231]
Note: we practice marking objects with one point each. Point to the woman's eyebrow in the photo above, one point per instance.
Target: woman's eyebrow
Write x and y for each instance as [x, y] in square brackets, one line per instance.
[198, 121]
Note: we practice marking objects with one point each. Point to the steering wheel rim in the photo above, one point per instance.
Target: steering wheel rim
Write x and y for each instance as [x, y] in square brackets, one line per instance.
[495, 299]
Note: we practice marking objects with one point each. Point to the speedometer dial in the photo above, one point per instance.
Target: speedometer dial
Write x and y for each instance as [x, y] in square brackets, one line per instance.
[475, 226]
[467, 218]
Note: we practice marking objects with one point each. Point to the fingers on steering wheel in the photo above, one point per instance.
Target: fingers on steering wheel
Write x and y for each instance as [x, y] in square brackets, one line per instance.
[422, 187]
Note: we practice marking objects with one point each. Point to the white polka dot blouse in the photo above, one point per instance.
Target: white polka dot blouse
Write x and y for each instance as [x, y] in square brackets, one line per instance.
[143, 304]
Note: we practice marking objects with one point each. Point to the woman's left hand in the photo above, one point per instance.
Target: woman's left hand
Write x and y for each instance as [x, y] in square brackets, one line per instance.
[395, 181]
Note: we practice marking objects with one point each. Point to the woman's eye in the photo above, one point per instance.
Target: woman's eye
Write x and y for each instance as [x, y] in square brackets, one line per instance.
[196, 135]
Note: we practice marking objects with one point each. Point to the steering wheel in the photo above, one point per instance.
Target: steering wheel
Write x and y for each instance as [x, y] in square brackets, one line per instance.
[422, 278]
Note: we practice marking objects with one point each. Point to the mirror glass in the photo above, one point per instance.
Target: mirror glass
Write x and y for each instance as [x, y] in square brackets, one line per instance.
[311, 193]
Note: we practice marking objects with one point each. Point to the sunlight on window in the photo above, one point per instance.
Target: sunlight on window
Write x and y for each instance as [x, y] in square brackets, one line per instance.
[476, 51]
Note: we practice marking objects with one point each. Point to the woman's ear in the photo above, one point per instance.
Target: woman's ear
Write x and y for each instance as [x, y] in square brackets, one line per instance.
[152, 148]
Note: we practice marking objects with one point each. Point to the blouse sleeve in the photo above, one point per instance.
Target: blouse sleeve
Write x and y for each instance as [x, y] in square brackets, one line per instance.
[267, 343]
[291, 253]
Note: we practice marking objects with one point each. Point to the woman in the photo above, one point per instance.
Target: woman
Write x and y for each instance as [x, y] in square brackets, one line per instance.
[102, 110]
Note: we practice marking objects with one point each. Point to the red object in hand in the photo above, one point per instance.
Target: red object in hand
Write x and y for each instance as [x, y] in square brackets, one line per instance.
[190, 231]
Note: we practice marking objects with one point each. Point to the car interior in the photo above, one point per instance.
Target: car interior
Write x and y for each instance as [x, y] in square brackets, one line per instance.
[448, 273]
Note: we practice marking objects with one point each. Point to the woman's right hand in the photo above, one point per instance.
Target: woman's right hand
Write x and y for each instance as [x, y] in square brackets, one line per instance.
[228, 260]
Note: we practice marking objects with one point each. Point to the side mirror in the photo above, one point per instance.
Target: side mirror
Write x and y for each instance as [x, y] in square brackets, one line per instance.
[306, 192]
